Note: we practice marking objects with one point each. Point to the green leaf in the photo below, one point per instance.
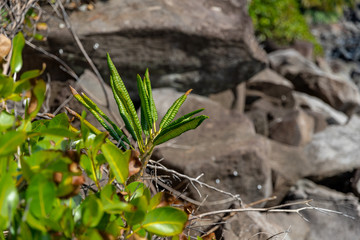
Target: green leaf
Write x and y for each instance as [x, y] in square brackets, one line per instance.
[6, 120]
[177, 129]
[165, 221]
[149, 91]
[60, 132]
[118, 132]
[34, 222]
[40, 195]
[145, 105]
[32, 73]
[118, 161]
[37, 99]
[133, 218]
[8, 200]
[10, 141]
[185, 117]
[119, 89]
[138, 189]
[155, 200]
[59, 121]
[92, 211]
[112, 203]
[172, 111]
[6, 86]
[16, 57]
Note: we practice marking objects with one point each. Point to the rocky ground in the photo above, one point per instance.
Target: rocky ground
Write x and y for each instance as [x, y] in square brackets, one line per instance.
[281, 124]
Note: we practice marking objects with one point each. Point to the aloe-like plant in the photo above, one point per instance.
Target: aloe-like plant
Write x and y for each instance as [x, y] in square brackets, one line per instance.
[143, 131]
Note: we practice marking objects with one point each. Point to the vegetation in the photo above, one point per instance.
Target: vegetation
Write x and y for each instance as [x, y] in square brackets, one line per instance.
[284, 21]
[43, 164]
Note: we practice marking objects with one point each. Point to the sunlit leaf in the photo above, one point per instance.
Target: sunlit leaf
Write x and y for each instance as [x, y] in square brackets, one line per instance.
[6, 86]
[8, 200]
[92, 211]
[41, 195]
[165, 221]
[118, 161]
[6, 120]
[10, 141]
[155, 200]
[172, 111]
[16, 57]
[112, 203]
[141, 204]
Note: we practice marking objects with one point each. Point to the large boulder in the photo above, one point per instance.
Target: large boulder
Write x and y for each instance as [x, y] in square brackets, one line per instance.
[224, 148]
[322, 224]
[335, 150]
[340, 93]
[206, 45]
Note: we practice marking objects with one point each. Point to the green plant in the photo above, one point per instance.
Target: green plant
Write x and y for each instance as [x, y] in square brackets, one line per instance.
[144, 131]
[43, 161]
[281, 21]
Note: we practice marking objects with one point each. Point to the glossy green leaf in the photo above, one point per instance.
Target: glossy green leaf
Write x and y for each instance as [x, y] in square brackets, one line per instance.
[177, 129]
[34, 222]
[6, 120]
[6, 86]
[32, 73]
[37, 99]
[138, 189]
[112, 203]
[16, 57]
[8, 200]
[141, 204]
[40, 195]
[172, 111]
[165, 221]
[120, 90]
[60, 132]
[59, 121]
[10, 141]
[118, 161]
[155, 200]
[86, 164]
[92, 211]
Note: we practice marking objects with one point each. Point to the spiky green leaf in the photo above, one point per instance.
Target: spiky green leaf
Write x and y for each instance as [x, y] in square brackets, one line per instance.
[171, 113]
[151, 99]
[147, 120]
[175, 130]
[123, 95]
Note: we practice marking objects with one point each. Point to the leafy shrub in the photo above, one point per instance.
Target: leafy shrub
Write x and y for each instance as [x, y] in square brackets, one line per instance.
[43, 161]
[281, 21]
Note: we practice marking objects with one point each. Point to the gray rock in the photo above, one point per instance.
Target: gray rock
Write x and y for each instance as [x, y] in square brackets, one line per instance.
[254, 225]
[341, 94]
[233, 99]
[270, 83]
[335, 149]
[206, 45]
[295, 128]
[316, 105]
[224, 148]
[328, 226]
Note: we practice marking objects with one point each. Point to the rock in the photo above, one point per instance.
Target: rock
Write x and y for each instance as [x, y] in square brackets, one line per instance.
[260, 121]
[288, 164]
[356, 183]
[335, 150]
[328, 226]
[295, 128]
[224, 148]
[306, 101]
[205, 45]
[254, 225]
[232, 98]
[320, 122]
[307, 77]
[270, 83]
